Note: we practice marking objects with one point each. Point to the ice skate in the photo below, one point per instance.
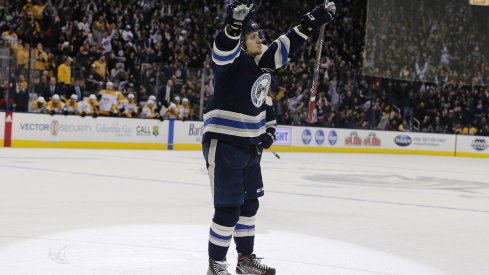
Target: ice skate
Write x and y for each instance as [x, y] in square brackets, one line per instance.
[252, 265]
[218, 268]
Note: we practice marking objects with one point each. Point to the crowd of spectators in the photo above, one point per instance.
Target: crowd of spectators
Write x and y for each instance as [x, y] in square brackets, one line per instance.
[158, 52]
[436, 41]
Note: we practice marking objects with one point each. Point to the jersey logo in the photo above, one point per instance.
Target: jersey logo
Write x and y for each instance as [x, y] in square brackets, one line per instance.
[259, 90]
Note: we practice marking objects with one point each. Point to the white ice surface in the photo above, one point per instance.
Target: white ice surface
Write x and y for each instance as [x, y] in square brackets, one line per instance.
[148, 212]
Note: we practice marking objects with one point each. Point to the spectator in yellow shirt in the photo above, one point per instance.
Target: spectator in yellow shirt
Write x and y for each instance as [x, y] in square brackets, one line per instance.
[38, 11]
[64, 72]
[469, 130]
[10, 36]
[21, 57]
[101, 66]
[100, 24]
[41, 58]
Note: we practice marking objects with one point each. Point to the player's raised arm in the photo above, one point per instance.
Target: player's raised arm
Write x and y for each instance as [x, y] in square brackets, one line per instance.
[226, 48]
[278, 53]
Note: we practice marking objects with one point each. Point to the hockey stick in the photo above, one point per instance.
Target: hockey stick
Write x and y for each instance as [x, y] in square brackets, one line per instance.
[319, 48]
[275, 154]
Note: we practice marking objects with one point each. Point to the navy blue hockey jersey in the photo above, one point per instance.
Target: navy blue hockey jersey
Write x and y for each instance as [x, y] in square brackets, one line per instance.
[237, 111]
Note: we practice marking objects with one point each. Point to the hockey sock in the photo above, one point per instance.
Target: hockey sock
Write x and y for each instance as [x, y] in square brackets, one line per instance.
[221, 231]
[244, 231]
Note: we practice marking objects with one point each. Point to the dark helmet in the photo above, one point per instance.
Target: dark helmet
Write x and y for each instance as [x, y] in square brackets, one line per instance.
[249, 26]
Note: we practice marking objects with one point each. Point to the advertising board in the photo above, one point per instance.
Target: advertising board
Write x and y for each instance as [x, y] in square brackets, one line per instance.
[30, 130]
[472, 146]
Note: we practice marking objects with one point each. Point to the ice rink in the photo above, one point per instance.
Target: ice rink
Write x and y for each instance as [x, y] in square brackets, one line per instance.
[73, 212]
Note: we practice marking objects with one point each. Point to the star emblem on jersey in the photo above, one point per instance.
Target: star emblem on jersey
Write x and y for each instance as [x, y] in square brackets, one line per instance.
[259, 90]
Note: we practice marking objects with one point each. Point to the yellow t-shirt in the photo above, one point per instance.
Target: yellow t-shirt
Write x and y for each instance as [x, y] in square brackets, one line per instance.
[64, 74]
[21, 56]
[37, 12]
[10, 37]
[100, 68]
[41, 60]
[100, 26]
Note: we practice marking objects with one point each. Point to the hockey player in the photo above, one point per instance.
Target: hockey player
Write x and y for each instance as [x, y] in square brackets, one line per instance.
[108, 100]
[89, 106]
[39, 105]
[149, 110]
[184, 109]
[55, 105]
[172, 112]
[235, 128]
[71, 105]
[129, 107]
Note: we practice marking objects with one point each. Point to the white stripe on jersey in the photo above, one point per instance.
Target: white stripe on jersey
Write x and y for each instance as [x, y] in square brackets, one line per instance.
[235, 116]
[286, 42]
[211, 159]
[269, 123]
[300, 33]
[282, 52]
[230, 131]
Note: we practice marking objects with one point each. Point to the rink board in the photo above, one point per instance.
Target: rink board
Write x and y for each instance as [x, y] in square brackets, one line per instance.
[45, 131]
[311, 139]
[2, 128]
[472, 146]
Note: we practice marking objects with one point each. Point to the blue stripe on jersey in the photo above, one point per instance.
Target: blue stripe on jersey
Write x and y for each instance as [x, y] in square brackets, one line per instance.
[225, 58]
[234, 123]
[284, 53]
[242, 226]
[220, 237]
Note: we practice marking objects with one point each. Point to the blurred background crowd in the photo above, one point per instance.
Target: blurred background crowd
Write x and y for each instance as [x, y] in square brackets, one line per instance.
[151, 59]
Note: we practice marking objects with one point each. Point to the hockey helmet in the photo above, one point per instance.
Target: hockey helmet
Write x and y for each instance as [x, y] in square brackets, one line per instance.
[150, 102]
[250, 26]
[74, 97]
[130, 96]
[41, 99]
[56, 98]
[152, 97]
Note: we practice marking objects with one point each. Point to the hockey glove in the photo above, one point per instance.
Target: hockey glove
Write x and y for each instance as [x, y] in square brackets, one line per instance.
[320, 15]
[266, 140]
[236, 14]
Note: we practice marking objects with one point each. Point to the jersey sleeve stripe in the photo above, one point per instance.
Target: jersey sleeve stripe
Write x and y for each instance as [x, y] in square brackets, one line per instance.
[230, 36]
[225, 57]
[271, 123]
[278, 56]
[300, 33]
[284, 53]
